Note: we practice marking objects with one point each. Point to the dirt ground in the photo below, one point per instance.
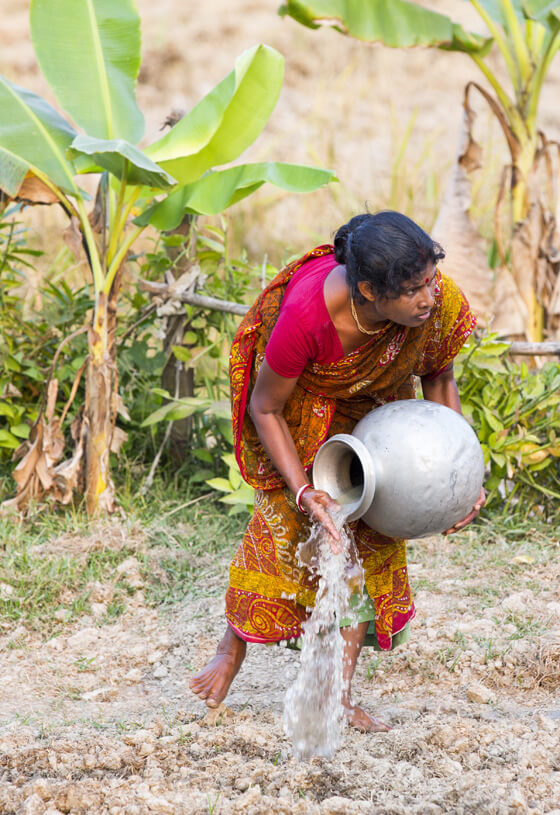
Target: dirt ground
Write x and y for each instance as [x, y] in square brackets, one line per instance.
[99, 719]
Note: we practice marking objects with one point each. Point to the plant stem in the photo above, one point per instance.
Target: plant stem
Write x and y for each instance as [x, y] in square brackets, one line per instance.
[116, 225]
[95, 263]
[58, 192]
[520, 49]
[500, 41]
[120, 256]
[507, 103]
[539, 77]
[120, 220]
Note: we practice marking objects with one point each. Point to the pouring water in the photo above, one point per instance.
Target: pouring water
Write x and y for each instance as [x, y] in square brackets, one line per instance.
[314, 717]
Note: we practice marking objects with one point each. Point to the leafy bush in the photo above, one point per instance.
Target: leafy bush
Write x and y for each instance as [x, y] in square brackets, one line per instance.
[516, 413]
[205, 348]
[236, 492]
[29, 338]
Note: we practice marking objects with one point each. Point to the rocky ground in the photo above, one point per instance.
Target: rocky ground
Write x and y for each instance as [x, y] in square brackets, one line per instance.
[99, 719]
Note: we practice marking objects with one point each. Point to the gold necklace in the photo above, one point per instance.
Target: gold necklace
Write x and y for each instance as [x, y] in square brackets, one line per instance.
[360, 327]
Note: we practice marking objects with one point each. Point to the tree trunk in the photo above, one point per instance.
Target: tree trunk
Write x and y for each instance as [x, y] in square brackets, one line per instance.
[99, 414]
[176, 379]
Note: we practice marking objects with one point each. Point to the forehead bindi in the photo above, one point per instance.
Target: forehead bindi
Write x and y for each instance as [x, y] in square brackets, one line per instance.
[423, 278]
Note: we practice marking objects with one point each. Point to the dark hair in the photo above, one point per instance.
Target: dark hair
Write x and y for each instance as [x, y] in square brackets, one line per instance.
[385, 249]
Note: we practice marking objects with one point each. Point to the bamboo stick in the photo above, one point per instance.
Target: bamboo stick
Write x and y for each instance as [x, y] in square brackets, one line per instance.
[535, 348]
[213, 303]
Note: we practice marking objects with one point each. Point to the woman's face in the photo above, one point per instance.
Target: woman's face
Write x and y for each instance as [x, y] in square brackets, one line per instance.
[414, 304]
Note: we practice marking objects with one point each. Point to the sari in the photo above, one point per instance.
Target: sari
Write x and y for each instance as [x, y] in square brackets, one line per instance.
[270, 593]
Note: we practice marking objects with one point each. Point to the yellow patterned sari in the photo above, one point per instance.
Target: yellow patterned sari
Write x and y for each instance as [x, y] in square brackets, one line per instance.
[269, 594]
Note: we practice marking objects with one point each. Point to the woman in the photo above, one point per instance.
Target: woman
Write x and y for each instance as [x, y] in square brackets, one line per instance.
[337, 333]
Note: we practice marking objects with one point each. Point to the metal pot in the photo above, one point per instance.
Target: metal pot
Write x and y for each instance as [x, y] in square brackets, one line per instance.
[410, 468]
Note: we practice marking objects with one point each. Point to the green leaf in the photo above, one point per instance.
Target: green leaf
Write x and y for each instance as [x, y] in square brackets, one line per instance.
[20, 430]
[244, 495]
[11, 364]
[235, 479]
[7, 440]
[177, 409]
[116, 156]
[226, 121]
[32, 133]
[492, 420]
[161, 392]
[13, 170]
[221, 484]
[543, 11]
[219, 190]
[466, 42]
[6, 409]
[492, 349]
[89, 52]
[181, 353]
[495, 9]
[158, 415]
[179, 412]
[396, 23]
[222, 410]
[226, 430]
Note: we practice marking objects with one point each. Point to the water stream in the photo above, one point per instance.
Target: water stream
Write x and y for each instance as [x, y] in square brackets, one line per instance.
[314, 718]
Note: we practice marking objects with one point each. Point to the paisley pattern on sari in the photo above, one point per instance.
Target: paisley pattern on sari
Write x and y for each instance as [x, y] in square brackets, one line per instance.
[269, 595]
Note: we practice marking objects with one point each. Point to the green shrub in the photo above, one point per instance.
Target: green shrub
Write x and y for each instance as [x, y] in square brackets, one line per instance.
[205, 348]
[29, 338]
[516, 413]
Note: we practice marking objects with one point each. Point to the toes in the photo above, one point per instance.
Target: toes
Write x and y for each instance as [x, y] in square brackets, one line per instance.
[203, 680]
[201, 686]
[362, 721]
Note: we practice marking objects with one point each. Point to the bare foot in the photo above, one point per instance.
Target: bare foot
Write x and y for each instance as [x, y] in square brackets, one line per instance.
[212, 683]
[358, 718]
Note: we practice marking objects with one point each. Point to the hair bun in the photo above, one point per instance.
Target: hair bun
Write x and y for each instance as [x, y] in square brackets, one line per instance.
[340, 243]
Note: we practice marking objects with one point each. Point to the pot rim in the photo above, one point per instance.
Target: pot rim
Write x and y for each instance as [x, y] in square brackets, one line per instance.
[326, 459]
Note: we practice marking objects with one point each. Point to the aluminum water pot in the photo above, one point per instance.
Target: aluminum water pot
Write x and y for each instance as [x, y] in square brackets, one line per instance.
[409, 469]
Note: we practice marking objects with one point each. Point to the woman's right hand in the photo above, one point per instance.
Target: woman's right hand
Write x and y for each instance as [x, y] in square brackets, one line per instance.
[317, 505]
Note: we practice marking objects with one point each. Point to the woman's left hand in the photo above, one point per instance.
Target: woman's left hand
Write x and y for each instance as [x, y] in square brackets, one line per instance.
[481, 500]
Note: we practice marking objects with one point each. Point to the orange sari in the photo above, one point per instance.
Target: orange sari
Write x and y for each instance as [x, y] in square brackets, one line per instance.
[269, 594]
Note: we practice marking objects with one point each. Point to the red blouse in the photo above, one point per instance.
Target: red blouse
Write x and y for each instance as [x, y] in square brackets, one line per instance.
[304, 330]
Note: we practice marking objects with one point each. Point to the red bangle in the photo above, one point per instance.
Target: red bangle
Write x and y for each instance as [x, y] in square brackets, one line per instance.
[299, 494]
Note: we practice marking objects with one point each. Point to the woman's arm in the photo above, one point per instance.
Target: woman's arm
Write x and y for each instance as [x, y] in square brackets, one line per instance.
[269, 397]
[443, 389]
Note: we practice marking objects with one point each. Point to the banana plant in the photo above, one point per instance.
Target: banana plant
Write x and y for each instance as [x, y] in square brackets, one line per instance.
[89, 53]
[526, 34]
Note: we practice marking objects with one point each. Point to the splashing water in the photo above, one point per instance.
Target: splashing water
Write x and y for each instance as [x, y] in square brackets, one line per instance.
[314, 718]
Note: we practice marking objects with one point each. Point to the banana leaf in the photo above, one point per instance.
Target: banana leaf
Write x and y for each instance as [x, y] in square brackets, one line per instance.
[13, 170]
[89, 52]
[31, 131]
[396, 23]
[545, 11]
[495, 9]
[219, 190]
[116, 155]
[227, 121]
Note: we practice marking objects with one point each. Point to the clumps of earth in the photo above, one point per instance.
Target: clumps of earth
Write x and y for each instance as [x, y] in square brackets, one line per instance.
[99, 718]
